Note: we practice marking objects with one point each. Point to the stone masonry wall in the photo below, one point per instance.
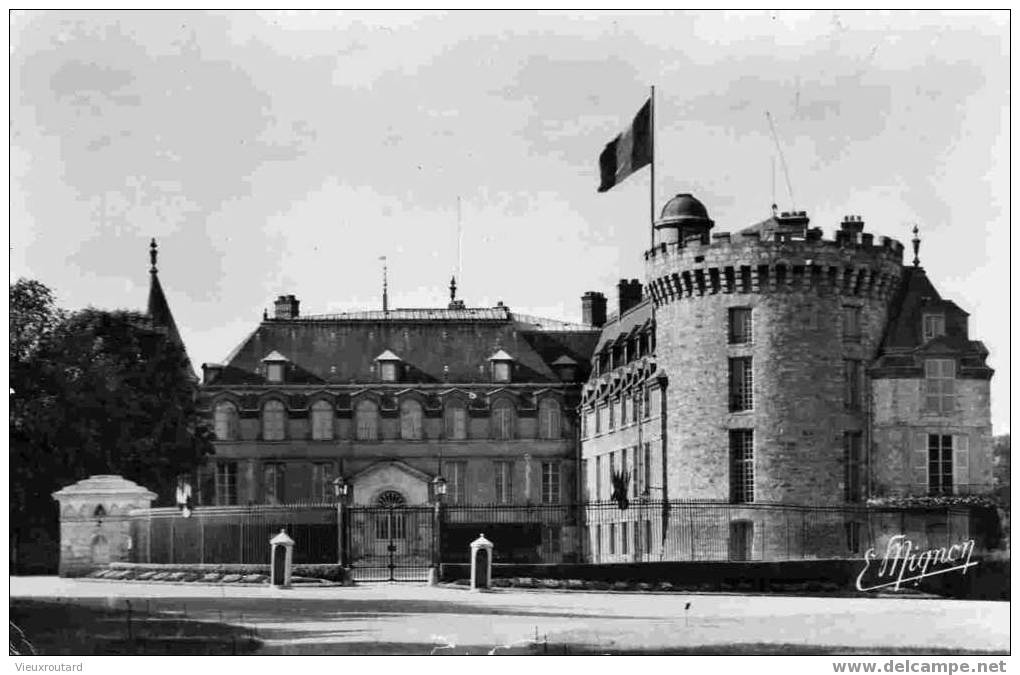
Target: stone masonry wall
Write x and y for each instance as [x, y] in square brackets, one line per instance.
[796, 291]
[901, 427]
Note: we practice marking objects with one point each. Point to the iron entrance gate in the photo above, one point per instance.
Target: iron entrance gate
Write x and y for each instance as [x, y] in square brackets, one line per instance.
[391, 543]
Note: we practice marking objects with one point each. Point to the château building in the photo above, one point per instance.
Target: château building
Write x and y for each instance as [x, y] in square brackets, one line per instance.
[749, 374]
[774, 367]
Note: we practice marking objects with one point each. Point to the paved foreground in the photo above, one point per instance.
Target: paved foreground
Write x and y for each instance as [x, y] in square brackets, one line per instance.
[416, 619]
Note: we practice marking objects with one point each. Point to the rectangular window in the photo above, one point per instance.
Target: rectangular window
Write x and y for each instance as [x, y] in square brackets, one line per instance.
[741, 466]
[940, 464]
[623, 469]
[741, 539]
[612, 415]
[853, 536]
[455, 417]
[456, 479]
[598, 478]
[740, 325]
[500, 371]
[852, 458]
[550, 482]
[598, 419]
[272, 482]
[584, 424]
[639, 474]
[226, 483]
[851, 323]
[388, 371]
[741, 385]
[504, 487]
[274, 372]
[322, 481]
[934, 326]
[646, 403]
[623, 410]
[852, 384]
[623, 538]
[635, 404]
[647, 465]
[939, 385]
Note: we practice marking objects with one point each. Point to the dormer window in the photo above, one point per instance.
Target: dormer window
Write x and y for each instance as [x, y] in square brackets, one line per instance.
[276, 366]
[501, 363]
[934, 326]
[389, 366]
[565, 368]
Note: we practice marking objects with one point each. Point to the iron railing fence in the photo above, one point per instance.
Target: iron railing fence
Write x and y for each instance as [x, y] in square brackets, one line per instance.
[651, 530]
[600, 532]
[234, 534]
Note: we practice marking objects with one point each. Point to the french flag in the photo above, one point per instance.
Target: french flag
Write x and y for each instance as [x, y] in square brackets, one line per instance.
[629, 151]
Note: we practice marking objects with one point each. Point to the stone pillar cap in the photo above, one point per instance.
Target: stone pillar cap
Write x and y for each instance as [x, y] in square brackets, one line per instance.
[282, 539]
[481, 542]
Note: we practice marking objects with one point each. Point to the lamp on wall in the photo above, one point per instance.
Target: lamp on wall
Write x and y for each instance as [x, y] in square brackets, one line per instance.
[439, 487]
[341, 489]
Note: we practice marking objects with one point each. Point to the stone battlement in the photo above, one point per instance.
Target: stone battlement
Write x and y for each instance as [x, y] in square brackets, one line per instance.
[852, 264]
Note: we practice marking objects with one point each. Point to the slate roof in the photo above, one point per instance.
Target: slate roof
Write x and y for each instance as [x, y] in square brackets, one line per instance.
[343, 348]
[617, 327]
[903, 346]
[158, 310]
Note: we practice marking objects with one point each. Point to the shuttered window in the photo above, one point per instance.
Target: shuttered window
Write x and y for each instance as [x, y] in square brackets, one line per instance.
[274, 420]
[410, 420]
[455, 421]
[322, 421]
[939, 386]
[367, 418]
[549, 419]
[226, 421]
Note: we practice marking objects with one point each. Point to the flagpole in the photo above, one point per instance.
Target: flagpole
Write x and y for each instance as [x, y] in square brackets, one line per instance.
[651, 203]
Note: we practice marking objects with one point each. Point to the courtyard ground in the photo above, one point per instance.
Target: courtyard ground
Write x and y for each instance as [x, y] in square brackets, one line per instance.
[416, 619]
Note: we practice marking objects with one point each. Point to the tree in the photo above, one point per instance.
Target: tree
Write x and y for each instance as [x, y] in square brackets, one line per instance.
[98, 393]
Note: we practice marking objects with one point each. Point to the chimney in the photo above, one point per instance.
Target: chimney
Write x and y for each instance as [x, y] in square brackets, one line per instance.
[593, 309]
[852, 224]
[211, 371]
[629, 294]
[287, 307]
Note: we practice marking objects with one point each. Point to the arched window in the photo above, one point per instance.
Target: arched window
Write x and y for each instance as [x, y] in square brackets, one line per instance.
[502, 420]
[322, 421]
[225, 421]
[410, 420]
[274, 420]
[367, 415]
[455, 420]
[549, 421]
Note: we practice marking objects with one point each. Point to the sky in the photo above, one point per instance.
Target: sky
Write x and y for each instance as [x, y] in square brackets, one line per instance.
[285, 152]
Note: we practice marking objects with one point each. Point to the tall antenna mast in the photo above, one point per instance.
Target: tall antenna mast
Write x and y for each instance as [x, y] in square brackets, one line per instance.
[774, 206]
[385, 286]
[782, 159]
[459, 242]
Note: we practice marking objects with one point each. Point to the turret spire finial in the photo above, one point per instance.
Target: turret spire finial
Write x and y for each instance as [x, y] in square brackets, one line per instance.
[916, 241]
[153, 253]
[453, 289]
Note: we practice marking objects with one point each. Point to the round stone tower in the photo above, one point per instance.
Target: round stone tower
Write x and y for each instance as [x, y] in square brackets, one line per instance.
[764, 336]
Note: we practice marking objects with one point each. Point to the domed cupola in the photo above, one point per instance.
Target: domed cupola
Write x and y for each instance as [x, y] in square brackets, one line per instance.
[683, 217]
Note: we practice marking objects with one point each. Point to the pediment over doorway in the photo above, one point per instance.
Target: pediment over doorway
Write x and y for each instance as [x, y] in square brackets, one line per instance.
[373, 481]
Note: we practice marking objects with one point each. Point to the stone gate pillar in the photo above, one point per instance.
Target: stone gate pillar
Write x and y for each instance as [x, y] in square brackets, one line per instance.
[94, 525]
